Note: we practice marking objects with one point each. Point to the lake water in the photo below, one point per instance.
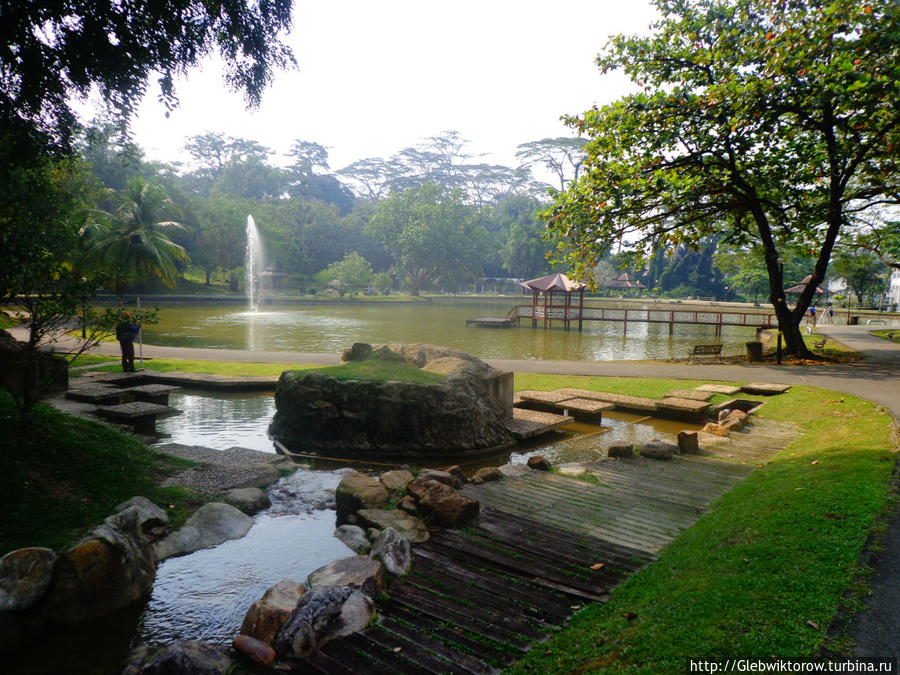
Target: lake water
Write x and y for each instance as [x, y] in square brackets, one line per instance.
[332, 327]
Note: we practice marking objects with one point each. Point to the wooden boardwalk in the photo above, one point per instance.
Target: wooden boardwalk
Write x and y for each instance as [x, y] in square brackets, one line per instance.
[542, 546]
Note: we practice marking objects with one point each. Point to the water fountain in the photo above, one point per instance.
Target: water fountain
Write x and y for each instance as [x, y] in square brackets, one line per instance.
[253, 264]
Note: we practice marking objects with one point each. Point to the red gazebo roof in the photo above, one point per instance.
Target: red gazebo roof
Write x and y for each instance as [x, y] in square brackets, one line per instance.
[624, 280]
[553, 282]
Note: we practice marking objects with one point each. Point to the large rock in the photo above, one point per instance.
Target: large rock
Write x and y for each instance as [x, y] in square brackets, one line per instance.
[659, 450]
[266, 616]
[323, 614]
[210, 525]
[358, 571]
[107, 570]
[442, 505]
[466, 413]
[358, 491]
[396, 479]
[408, 525]
[486, 474]
[188, 657]
[24, 577]
[354, 537]
[250, 500]
[392, 549]
[149, 514]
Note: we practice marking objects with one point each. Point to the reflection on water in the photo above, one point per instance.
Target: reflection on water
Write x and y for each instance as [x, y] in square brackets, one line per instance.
[332, 327]
[220, 421]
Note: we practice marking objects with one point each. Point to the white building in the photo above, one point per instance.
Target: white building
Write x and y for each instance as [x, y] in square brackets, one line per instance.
[893, 295]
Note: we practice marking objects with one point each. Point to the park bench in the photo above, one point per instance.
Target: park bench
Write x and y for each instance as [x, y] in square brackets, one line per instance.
[820, 345]
[705, 350]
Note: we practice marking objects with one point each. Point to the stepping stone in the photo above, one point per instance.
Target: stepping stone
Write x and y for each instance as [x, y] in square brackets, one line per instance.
[684, 409]
[765, 388]
[100, 394]
[142, 416]
[528, 423]
[692, 394]
[621, 401]
[153, 393]
[531, 395]
[585, 409]
[726, 389]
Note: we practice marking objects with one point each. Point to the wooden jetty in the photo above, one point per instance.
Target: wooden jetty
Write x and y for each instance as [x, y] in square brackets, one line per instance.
[492, 322]
[542, 547]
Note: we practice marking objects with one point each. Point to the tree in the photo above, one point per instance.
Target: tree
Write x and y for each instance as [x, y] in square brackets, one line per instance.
[524, 252]
[57, 52]
[753, 120]
[431, 234]
[863, 273]
[353, 271]
[135, 245]
[563, 156]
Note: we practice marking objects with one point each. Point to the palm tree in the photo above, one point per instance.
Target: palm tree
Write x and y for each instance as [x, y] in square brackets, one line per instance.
[135, 246]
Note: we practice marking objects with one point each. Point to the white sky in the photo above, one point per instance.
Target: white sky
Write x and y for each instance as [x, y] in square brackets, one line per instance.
[376, 77]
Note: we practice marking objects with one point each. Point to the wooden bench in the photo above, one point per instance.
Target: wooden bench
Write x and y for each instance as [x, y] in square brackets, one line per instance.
[705, 350]
[820, 345]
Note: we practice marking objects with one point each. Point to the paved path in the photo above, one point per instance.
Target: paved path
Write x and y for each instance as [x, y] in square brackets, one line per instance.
[876, 378]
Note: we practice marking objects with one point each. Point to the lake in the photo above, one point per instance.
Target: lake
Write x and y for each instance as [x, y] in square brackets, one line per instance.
[332, 327]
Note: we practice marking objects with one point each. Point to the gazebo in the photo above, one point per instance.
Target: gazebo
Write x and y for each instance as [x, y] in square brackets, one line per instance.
[624, 281]
[547, 286]
[799, 288]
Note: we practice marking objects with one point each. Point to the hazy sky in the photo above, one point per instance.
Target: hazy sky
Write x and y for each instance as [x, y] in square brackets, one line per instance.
[376, 77]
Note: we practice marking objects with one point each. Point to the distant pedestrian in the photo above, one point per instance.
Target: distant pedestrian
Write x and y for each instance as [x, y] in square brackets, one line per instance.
[126, 331]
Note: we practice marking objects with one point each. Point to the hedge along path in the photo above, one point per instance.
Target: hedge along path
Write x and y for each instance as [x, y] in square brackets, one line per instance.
[542, 548]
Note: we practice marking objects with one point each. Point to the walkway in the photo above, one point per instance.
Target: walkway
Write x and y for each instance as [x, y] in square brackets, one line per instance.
[876, 378]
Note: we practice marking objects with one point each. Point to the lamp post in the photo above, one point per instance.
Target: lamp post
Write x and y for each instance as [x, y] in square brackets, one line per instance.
[83, 309]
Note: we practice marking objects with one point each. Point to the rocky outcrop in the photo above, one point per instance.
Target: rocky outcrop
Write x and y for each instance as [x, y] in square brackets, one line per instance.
[624, 450]
[210, 525]
[467, 413]
[250, 500]
[323, 614]
[659, 450]
[107, 570]
[354, 537]
[486, 474]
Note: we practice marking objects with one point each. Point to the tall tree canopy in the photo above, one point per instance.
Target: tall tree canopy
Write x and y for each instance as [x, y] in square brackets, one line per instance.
[771, 121]
[52, 51]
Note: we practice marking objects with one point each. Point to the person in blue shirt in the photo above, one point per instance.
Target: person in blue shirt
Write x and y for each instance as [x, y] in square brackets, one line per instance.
[126, 331]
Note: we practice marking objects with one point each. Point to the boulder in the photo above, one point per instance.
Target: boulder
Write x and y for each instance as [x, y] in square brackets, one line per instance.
[266, 616]
[210, 525]
[408, 504]
[465, 414]
[358, 491]
[736, 420]
[322, 614]
[658, 450]
[250, 500]
[441, 505]
[188, 657]
[255, 650]
[409, 526]
[715, 429]
[150, 515]
[444, 477]
[620, 450]
[486, 474]
[395, 480]
[459, 473]
[109, 569]
[354, 537]
[538, 463]
[393, 550]
[24, 577]
[358, 571]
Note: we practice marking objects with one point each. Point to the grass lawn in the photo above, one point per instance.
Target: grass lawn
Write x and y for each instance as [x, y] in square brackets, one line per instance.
[764, 571]
[63, 475]
[889, 334]
[226, 368]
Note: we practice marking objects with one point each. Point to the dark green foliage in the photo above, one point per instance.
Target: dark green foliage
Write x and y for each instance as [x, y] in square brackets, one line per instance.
[64, 475]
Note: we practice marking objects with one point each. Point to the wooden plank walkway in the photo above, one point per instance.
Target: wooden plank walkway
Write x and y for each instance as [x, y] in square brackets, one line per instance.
[542, 546]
